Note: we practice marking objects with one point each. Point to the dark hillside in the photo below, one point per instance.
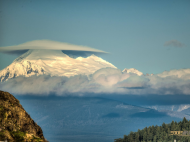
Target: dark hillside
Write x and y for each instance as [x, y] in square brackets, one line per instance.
[16, 125]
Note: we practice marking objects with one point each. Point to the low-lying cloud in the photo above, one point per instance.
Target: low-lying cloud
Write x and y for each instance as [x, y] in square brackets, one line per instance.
[174, 43]
[106, 81]
[180, 73]
[50, 45]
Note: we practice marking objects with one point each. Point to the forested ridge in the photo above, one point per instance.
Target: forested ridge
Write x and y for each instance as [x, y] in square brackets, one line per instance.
[159, 133]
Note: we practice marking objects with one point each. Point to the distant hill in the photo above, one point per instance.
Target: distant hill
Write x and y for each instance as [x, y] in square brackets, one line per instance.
[160, 133]
[16, 125]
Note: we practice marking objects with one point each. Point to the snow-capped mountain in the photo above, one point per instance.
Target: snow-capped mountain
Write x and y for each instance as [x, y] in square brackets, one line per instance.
[53, 63]
[132, 70]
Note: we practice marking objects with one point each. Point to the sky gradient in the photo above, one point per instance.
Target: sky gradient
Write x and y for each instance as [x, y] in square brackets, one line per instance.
[151, 36]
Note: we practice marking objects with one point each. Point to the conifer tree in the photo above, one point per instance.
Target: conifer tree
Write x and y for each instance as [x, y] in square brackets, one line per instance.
[158, 133]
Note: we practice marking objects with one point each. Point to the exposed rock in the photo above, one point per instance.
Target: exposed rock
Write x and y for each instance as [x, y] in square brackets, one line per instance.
[16, 125]
[132, 70]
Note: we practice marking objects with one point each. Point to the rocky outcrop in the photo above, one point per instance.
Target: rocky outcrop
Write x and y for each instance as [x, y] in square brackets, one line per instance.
[16, 125]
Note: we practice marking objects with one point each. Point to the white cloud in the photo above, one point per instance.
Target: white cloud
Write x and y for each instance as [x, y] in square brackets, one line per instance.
[169, 85]
[107, 76]
[181, 73]
[175, 114]
[183, 107]
[134, 81]
[107, 80]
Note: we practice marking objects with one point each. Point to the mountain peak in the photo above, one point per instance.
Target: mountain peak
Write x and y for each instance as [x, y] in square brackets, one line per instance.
[53, 63]
[132, 70]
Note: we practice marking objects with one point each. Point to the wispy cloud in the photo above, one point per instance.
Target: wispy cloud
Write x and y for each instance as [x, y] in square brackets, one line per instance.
[174, 43]
[107, 81]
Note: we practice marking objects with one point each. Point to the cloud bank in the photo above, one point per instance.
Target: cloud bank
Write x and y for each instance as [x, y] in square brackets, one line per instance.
[103, 81]
[181, 73]
[49, 45]
[174, 43]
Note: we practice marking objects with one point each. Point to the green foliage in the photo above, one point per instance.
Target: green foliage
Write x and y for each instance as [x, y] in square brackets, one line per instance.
[1, 107]
[18, 136]
[36, 139]
[159, 133]
[5, 115]
[2, 111]
[2, 135]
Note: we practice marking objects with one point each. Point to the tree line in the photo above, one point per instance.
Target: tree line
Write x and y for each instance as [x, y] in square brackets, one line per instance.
[159, 133]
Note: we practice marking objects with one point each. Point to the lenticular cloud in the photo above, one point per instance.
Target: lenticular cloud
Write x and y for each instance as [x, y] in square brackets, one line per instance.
[48, 45]
[105, 80]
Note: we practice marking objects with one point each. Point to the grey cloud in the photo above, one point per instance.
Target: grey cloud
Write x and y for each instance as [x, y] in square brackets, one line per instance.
[14, 52]
[74, 50]
[174, 43]
[71, 53]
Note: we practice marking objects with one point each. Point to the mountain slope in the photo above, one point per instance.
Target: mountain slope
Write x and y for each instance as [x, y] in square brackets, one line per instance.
[53, 63]
[16, 124]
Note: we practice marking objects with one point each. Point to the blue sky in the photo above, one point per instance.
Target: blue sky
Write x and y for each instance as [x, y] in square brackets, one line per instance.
[151, 36]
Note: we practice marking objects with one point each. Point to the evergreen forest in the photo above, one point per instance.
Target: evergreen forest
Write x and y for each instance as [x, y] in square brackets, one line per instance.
[159, 133]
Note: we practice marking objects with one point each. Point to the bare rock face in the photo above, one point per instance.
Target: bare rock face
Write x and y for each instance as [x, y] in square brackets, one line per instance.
[16, 125]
